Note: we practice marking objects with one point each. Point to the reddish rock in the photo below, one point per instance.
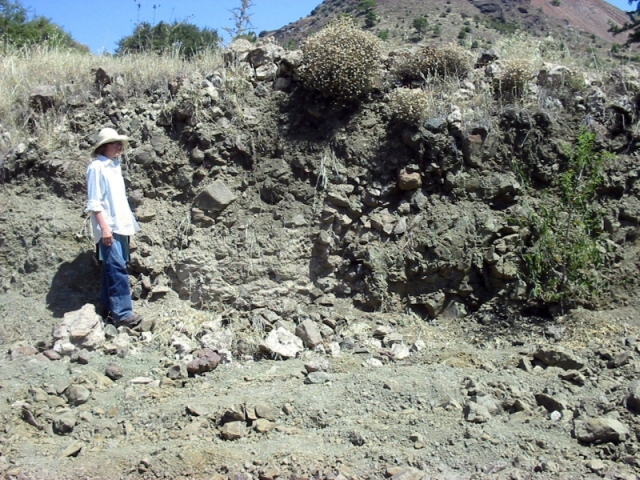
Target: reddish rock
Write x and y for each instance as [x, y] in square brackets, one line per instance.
[206, 360]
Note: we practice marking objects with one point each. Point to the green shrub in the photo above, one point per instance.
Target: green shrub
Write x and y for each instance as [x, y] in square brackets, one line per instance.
[340, 61]
[566, 251]
[408, 105]
[371, 19]
[383, 34]
[421, 24]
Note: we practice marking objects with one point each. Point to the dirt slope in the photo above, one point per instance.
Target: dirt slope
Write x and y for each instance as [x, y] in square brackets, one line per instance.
[593, 16]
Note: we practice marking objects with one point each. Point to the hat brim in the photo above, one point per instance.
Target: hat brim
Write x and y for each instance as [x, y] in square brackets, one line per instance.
[118, 138]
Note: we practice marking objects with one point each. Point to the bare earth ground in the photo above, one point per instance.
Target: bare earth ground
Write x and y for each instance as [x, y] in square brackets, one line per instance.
[360, 423]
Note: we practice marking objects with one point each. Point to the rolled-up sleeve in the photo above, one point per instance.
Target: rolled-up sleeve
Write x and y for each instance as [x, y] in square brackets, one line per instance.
[94, 191]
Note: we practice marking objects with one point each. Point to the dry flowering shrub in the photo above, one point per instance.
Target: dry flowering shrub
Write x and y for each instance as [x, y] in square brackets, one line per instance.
[340, 61]
[416, 66]
[445, 61]
[453, 60]
[514, 79]
[409, 105]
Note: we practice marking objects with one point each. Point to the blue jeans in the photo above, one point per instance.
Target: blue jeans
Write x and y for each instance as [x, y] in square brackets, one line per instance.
[115, 293]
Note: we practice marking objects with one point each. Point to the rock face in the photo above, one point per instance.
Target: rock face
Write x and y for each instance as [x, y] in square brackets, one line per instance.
[79, 329]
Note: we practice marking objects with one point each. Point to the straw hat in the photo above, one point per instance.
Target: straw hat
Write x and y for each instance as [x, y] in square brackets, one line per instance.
[109, 135]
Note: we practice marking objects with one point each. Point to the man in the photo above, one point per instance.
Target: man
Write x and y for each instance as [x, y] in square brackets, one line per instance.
[113, 223]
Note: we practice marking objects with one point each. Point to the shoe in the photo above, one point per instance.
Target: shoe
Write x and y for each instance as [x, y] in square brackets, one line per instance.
[130, 322]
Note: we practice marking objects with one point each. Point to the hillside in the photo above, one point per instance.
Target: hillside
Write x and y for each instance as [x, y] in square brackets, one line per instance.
[573, 20]
[365, 260]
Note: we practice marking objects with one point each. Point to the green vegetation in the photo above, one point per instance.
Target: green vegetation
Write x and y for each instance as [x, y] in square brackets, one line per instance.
[421, 24]
[367, 5]
[500, 25]
[383, 35]
[179, 37]
[17, 29]
[371, 19]
[556, 3]
[566, 251]
[340, 61]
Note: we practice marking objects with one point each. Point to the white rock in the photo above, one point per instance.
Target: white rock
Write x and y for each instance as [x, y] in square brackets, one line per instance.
[282, 342]
[372, 363]
[141, 381]
[182, 344]
[221, 339]
[400, 351]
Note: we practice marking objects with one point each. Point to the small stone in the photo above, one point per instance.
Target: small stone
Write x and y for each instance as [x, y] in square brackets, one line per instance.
[317, 365]
[215, 197]
[114, 371]
[77, 395]
[409, 181]
[64, 424]
[206, 360]
[73, 450]
[475, 413]
[81, 356]
[317, 378]
[556, 356]
[262, 425]
[400, 351]
[309, 332]
[405, 473]
[596, 466]
[23, 351]
[141, 381]
[52, 355]
[177, 371]
[600, 430]
[281, 342]
[198, 410]
[357, 439]
[233, 431]
[265, 411]
[372, 363]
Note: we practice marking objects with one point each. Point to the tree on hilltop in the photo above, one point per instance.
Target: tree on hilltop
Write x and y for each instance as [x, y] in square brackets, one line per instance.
[182, 37]
[18, 28]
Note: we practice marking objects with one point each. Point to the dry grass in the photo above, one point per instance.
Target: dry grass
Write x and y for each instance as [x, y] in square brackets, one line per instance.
[71, 73]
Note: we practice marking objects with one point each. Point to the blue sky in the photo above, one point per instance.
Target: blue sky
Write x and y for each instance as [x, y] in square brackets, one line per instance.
[101, 23]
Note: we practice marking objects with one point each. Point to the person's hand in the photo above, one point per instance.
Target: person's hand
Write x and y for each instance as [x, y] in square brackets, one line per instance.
[107, 238]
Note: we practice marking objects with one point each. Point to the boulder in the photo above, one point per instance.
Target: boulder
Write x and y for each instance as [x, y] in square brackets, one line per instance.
[42, 98]
[600, 430]
[408, 181]
[215, 197]
[554, 356]
[206, 360]
[233, 430]
[282, 343]
[79, 329]
[309, 332]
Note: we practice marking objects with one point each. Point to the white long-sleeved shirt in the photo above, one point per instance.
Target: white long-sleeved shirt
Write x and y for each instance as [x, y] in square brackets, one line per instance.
[106, 193]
